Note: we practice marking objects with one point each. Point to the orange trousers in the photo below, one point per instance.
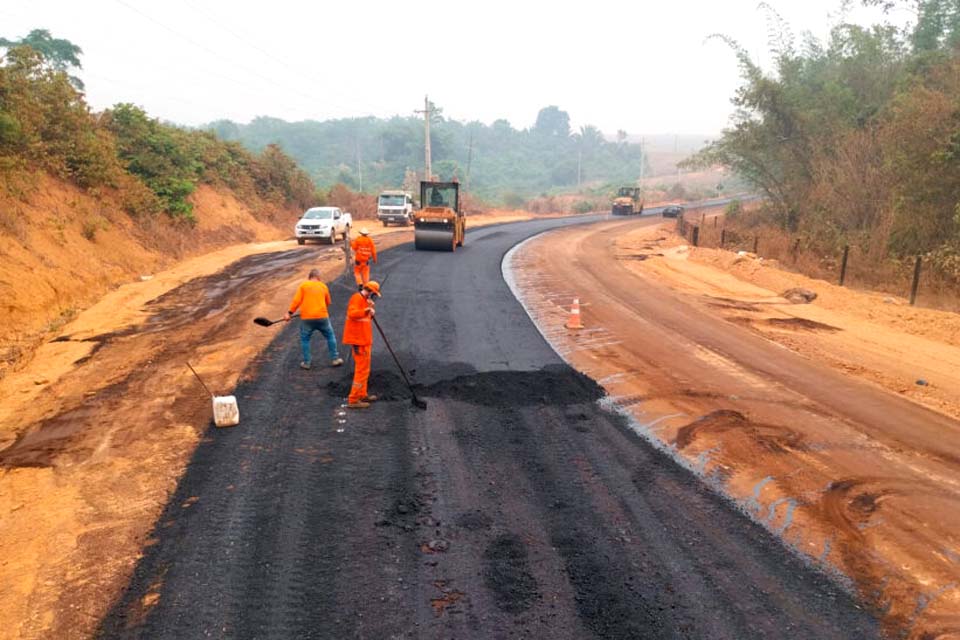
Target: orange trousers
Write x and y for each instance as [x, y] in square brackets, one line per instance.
[361, 271]
[361, 373]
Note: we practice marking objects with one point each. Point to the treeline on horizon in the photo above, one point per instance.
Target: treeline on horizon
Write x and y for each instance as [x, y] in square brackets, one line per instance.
[151, 167]
[856, 140]
[498, 162]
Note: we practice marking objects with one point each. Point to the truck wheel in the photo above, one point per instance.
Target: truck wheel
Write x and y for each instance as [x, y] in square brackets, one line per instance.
[386, 224]
[300, 240]
[333, 238]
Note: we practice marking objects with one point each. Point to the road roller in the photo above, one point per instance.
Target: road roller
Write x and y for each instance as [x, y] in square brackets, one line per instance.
[628, 202]
[439, 225]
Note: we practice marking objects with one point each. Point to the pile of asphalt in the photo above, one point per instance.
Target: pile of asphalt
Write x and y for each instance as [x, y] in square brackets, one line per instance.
[555, 385]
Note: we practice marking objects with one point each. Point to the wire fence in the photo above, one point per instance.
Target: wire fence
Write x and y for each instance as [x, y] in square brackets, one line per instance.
[912, 277]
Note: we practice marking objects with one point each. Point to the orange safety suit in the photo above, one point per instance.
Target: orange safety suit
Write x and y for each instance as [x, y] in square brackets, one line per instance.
[358, 332]
[313, 299]
[363, 251]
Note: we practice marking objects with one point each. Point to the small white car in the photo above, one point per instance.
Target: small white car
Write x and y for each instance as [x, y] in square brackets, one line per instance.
[323, 223]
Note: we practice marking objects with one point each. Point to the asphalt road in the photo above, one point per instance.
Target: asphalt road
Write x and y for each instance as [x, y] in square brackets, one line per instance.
[513, 507]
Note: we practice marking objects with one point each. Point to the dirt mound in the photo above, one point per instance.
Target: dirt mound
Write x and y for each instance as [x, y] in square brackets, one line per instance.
[799, 295]
[804, 324]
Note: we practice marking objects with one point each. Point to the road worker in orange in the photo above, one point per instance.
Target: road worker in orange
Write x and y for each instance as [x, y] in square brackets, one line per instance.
[363, 252]
[358, 333]
[313, 299]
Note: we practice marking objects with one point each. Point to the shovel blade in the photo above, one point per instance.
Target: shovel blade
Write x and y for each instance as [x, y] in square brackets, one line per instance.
[263, 322]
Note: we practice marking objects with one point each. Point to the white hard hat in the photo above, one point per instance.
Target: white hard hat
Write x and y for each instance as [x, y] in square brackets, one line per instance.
[364, 231]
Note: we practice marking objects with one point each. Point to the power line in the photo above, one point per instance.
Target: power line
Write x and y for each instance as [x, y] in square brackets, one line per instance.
[253, 45]
[312, 99]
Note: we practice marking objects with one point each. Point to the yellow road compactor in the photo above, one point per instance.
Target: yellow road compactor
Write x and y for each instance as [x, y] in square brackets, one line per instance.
[439, 225]
[628, 202]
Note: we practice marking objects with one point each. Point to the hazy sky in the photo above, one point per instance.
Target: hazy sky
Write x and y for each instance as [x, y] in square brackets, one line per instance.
[643, 67]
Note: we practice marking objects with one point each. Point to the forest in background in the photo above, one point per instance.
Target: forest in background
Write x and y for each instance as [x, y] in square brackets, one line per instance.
[499, 163]
[856, 140]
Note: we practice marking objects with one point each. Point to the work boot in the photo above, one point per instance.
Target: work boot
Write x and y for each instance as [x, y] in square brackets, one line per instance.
[336, 362]
[359, 404]
[371, 398]
[304, 365]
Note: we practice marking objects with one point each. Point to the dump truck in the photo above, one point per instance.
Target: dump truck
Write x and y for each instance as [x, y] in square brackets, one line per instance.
[395, 207]
[440, 224]
[628, 202]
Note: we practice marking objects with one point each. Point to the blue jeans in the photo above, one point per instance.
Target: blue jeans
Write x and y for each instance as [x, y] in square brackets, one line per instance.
[307, 327]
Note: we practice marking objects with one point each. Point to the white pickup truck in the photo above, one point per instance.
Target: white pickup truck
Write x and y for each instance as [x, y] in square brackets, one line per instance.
[323, 223]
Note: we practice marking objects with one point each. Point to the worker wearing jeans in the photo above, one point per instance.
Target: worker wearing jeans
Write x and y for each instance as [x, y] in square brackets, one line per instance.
[313, 299]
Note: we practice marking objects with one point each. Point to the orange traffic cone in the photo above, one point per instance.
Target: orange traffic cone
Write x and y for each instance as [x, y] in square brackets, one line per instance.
[573, 322]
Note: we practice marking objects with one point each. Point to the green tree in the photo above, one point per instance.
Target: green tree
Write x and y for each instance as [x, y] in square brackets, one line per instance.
[59, 53]
[552, 121]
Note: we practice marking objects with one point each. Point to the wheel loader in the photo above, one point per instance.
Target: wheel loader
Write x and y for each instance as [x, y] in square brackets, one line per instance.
[628, 202]
[440, 224]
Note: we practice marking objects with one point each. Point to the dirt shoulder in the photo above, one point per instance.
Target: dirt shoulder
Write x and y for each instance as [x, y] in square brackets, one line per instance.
[911, 351]
[806, 415]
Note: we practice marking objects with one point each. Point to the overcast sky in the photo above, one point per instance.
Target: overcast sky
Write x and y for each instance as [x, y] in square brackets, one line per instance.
[637, 66]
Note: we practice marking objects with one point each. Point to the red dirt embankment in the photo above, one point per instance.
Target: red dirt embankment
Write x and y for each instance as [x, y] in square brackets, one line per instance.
[62, 248]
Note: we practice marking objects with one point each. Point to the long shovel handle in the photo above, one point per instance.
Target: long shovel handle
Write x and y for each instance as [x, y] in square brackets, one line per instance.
[395, 359]
[200, 380]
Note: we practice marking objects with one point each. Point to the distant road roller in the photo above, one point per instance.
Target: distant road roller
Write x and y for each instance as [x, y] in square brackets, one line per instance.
[439, 225]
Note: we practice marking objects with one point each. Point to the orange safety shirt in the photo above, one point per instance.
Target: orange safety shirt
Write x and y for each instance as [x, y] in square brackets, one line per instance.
[358, 328]
[363, 249]
[312, 298]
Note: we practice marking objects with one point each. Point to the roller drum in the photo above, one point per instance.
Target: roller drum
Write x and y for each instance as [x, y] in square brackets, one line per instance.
[433, 239]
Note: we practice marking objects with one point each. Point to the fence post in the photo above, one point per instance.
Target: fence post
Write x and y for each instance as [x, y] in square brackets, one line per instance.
[696, 235]
[715, 221]
[843, 264]
[796, 248]
[756, 239]
[723, 236]
[916, 281]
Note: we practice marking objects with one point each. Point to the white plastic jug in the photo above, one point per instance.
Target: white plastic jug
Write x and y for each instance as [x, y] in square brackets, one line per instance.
[225, 411]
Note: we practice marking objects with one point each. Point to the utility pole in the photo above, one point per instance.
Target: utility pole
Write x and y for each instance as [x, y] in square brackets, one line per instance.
[676, 150]
[643, 160]
[359, 168]
[579, 162]
[427, 112]
[466, 183]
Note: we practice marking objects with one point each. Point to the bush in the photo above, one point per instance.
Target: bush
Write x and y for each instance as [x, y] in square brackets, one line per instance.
[583, 206]
[734, 210]
[513, 200]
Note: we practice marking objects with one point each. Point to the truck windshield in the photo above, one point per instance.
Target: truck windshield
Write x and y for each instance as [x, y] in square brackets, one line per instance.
[392, 201]
[318, 214]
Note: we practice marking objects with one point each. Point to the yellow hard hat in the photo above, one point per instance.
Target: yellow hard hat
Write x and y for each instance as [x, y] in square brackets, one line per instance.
[373, 286]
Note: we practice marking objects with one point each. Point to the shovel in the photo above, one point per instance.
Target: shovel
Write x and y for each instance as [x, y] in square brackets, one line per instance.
[225, 410]
[267, 322]
[415, 401]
